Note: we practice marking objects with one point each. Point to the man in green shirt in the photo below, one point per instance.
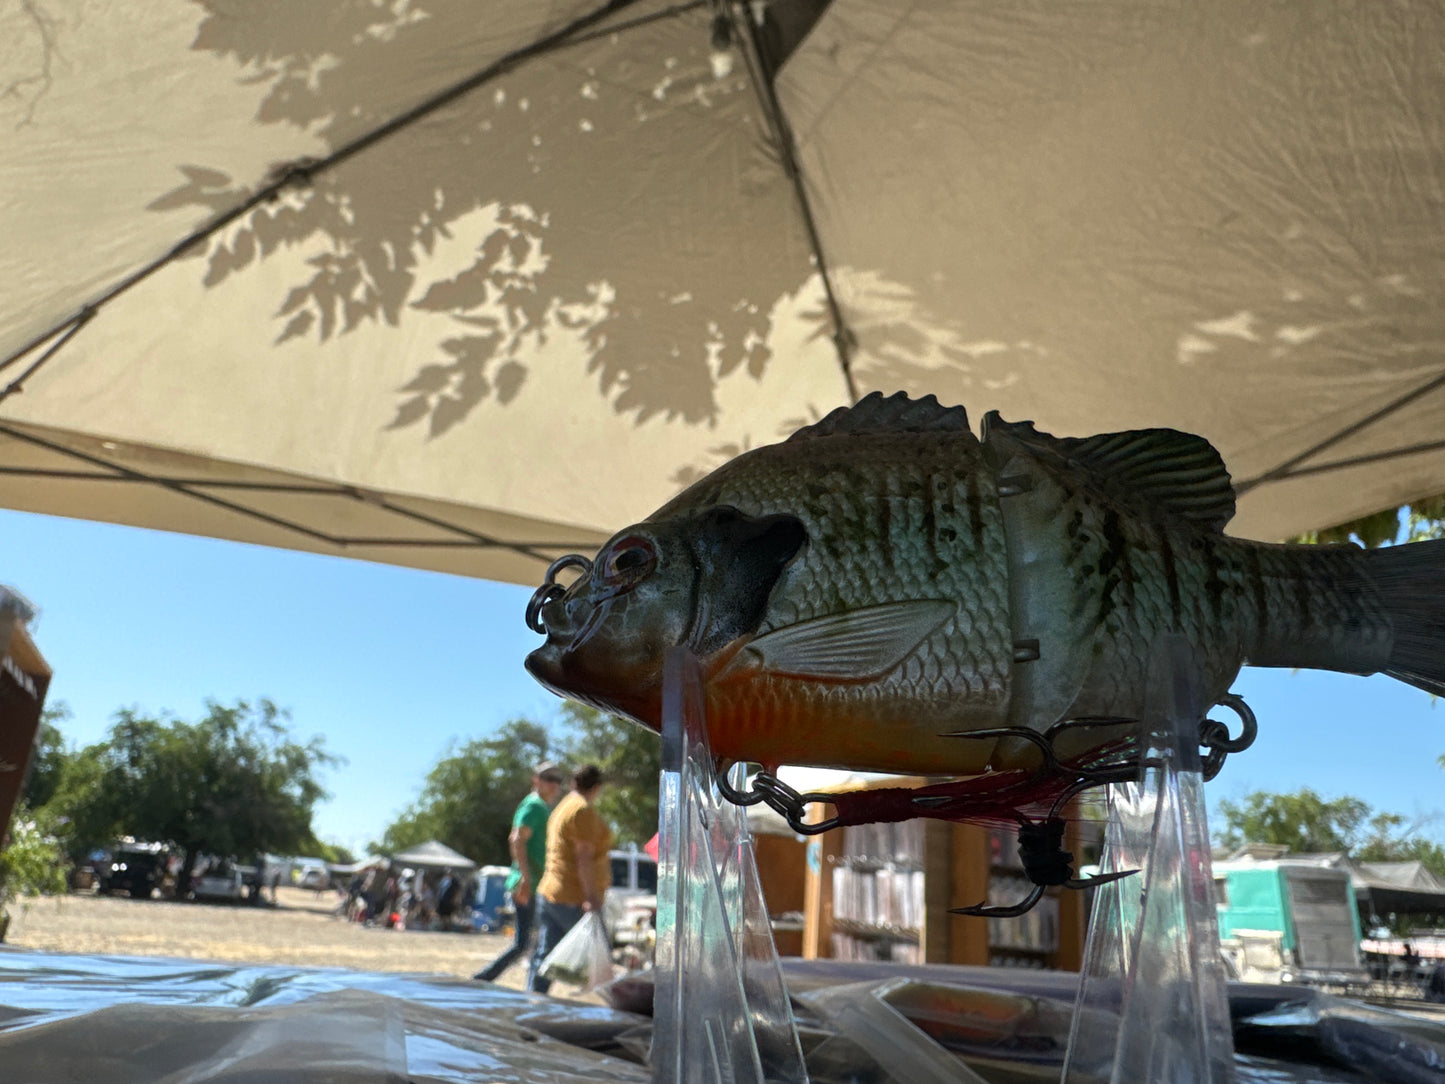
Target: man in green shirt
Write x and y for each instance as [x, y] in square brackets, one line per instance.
[528, 843]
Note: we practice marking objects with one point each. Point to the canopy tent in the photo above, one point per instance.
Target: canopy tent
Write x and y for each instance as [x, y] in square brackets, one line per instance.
[459, 291]
[434, 855]
[1397, 888]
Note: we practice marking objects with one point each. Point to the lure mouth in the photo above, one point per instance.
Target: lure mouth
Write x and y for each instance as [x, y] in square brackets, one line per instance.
[564, 665]
[567, 616]
[607, 628]
[546, 614]
[551, 592]
[545, 664]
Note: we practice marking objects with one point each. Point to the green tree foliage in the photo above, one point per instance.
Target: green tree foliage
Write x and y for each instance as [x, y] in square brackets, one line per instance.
[32, 862]
[1303, 821]
[47, 761]
[1425, 519]
[331, 852]
[234, 783]
[87, 818]
[470, 795]
[630, 757]
[1393, 839]
[1412, 523]
[1306, 822]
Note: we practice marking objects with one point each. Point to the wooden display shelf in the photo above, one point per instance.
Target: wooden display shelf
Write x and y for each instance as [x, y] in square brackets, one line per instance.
[958, 861]
[877, 931]
[24, 679]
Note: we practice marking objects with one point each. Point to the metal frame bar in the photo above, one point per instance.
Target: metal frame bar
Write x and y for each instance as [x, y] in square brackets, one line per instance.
[760, 73]
[1294, 468]
[580, 30]
[191, 487]
[300, 173]
[583, 29]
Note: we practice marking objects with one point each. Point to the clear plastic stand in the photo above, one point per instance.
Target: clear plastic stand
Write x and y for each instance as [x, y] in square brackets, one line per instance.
[1152, 1005]
[721, 1013]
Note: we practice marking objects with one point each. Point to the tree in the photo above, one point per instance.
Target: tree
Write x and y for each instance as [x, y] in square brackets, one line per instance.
[85, 815]
[1411, 523]
[1307, 823]
[233, 783]
[1303, 821]
[1393, 839]
[47, 761]
[31, 861]
[630, 757]
[331, 852]
[470, 795]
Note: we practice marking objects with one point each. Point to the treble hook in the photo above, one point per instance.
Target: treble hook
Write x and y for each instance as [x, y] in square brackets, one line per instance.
[1046, 863]
[551, 589]
[1044, 742]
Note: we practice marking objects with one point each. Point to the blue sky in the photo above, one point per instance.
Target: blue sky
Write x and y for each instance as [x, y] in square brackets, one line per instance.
[393, 666]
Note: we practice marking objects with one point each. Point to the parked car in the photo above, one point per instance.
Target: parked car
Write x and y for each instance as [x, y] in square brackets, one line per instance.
[315, 878]
[134, 868]
[221, 881]
[630, 906]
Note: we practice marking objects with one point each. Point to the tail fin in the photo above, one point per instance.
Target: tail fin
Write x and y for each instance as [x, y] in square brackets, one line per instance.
[1411, 580]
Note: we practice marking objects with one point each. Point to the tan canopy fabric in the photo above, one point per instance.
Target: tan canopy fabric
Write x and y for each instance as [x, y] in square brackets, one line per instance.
[467, 287]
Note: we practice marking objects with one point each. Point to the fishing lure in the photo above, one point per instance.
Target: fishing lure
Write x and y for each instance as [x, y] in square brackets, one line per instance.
[884, 580]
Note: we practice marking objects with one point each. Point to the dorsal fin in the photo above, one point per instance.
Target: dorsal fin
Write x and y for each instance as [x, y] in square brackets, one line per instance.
[1150, 470]
[896, 413]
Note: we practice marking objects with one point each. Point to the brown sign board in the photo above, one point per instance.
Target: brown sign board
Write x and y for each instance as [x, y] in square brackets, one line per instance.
[24, 679]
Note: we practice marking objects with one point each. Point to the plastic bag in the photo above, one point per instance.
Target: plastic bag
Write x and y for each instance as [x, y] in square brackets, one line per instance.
[583, 957]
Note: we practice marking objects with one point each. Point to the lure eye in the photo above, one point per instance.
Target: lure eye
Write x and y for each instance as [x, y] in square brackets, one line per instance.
[629, 561]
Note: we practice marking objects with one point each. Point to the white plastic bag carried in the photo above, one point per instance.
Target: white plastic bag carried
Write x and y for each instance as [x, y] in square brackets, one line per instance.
[583, 957]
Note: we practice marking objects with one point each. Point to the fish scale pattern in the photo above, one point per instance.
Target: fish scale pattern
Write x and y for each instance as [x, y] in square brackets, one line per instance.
[1232, 600]
[1161, 580]
[1318, 607]
[894, 517]
[1113, 541]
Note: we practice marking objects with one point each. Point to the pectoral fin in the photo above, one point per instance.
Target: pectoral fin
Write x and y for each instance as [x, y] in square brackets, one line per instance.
[855, 645]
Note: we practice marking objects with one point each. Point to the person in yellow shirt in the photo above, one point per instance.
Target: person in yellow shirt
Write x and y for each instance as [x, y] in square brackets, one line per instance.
[577, 871]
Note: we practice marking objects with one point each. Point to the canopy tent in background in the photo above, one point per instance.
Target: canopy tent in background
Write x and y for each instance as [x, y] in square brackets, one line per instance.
[371, 861]
[434, 855]
[1397, 887]
[464, 289]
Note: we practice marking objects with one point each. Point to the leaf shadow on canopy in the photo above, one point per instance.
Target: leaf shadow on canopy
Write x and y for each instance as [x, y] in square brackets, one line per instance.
[559, 174]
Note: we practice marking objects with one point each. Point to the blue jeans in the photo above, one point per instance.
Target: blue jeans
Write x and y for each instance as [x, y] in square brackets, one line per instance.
[553, 922]
[521, 942]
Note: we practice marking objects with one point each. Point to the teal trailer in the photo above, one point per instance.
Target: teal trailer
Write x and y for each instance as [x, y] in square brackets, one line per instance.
[1289, 920]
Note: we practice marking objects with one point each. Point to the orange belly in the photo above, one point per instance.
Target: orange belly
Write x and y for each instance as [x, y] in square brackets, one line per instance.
[777, 721]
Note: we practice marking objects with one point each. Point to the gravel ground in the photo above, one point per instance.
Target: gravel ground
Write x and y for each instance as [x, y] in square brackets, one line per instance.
[299, 930]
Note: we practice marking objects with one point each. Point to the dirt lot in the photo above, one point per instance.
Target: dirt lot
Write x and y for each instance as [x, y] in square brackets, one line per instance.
[298, 930]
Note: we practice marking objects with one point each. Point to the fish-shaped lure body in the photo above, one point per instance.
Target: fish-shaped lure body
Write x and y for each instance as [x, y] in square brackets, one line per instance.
[884, 579]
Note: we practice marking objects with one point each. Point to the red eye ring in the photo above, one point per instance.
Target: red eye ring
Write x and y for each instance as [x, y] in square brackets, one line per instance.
[629, 560]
